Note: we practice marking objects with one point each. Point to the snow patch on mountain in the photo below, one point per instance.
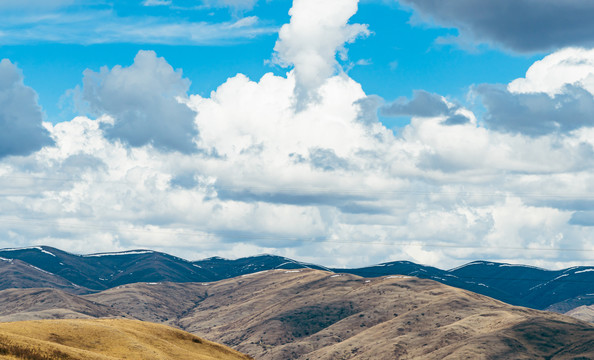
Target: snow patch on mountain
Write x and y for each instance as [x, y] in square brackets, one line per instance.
[131, 252]
[256, 273]
[29, 248]
[524, 266]
[584, 271]
[43, 271]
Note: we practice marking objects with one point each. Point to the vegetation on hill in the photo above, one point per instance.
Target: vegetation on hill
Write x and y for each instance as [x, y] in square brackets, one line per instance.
[105, 339]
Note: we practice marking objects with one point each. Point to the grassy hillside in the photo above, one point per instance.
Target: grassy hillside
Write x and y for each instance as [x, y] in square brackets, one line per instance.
[306, 314]
[41, 304]
[105, 339]
[316, 315]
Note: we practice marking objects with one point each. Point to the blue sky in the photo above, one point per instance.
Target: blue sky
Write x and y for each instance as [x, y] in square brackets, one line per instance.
[401, 55]
[341, 132]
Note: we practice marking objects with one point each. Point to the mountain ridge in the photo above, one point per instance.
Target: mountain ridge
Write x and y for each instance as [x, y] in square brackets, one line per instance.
[516, 284]
[313, 314]
[320, 315]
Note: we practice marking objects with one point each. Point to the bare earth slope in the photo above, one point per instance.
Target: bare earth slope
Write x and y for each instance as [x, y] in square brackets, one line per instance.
[105, 339]
[310, 314]
[584, 313]
[47, 267]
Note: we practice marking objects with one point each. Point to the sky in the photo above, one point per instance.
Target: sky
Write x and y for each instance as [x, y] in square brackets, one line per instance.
[340, 132]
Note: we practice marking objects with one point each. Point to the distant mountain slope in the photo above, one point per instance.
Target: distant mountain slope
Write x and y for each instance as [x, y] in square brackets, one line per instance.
[156, 302]
[584, 313]
[104, 271]
[532, 287]
[44, 266]
[15, 273]
[225, 269]
[309, 314]
[569, 304]
[105, 339]
[515, 284]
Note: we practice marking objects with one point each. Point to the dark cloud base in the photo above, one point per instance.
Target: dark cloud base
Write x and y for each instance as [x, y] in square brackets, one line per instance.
[20, 115]
[519, 25]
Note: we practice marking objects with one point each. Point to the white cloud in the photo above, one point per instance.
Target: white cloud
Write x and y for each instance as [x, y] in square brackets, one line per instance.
[439, 194]
[556, 96]
[317, 31]
[21, 129]
[233, 4]
[520, 25]
[571, 66]
[144, 101]
[156, 2]
[74, 26]
[327, 184]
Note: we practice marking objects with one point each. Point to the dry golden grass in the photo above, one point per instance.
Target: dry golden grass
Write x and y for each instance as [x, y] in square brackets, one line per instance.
[584, 313]
[105, 339]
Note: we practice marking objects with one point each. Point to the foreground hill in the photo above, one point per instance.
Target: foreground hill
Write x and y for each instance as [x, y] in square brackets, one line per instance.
[310, 314]
[105, 339]
[43, 266]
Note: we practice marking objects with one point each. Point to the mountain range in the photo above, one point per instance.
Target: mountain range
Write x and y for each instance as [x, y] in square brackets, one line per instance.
[566, 291]
[311, 314]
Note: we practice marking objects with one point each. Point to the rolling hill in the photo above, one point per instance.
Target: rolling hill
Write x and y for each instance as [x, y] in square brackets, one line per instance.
[105, 339]
[43, 266]
[311, 314]
[36, 304]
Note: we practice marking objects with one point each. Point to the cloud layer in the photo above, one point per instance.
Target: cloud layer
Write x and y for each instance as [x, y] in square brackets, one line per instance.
[21, 130]
[424, 104]
[519, 25]
[556, 96]
[144, 102]
[243, 171]
[69, 22]
[309, 43]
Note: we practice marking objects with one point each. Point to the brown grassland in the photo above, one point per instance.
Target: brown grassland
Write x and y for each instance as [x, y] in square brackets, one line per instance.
[288, 315]
[105, 339]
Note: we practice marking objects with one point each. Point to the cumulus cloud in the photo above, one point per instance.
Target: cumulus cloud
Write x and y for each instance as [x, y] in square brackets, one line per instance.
[582, 218]
[326, 160]
[536, 114]
[424, 104]
[519, 25]
[144, 101]
[316, 32]
[21, 129]
[326, 183]
[318, 184]
[571, 66]
[556, 96]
